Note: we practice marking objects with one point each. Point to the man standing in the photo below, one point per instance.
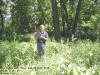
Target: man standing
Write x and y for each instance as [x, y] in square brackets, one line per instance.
[41, 37]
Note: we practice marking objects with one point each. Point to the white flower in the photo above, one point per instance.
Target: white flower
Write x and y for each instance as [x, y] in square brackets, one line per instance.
[62, 65]
[70, 65]
[80, 60]
[62, 72]
[93, 72]
[88, 72]
[91, 54]
[67, 61]
[61, 60]
[69, 52]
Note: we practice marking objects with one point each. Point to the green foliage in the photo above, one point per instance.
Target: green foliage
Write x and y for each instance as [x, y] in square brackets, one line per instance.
[76, 58]
[21, 15]
[27, 15]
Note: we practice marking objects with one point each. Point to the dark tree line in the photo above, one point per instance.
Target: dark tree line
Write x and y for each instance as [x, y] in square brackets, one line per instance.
[62, 18]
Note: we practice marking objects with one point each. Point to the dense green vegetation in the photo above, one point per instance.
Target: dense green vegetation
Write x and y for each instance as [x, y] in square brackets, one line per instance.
[73, 27]
[72, 58]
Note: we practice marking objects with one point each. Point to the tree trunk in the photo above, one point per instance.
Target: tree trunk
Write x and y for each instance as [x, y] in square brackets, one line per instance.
[3, 26]
[98, 33]
[76, 18]
[63, 23]
[63, 20]
[56, 21]
[2, 23]
[63, 6]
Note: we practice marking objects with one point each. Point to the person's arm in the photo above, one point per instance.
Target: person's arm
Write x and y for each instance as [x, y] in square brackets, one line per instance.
[35, 33]
[45, 38]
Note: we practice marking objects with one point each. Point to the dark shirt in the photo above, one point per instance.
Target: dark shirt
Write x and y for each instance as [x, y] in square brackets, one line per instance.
[39, 40]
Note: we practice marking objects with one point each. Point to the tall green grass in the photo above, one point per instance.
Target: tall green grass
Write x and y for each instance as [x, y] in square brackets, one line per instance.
[76, 58]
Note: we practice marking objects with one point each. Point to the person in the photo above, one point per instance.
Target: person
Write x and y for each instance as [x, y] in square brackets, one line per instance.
[41, 38]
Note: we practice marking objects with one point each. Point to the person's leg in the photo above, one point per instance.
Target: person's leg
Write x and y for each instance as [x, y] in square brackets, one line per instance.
[44, 52]
[39, 50]
[44, 49]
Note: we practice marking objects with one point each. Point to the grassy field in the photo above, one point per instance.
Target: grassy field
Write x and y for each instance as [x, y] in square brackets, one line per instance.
[76, 58]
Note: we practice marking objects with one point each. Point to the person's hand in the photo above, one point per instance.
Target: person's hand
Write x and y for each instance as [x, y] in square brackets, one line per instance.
[42, 37]
[35, 33]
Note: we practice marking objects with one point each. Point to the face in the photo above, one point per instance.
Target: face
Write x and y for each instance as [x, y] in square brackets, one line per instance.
[41, 28]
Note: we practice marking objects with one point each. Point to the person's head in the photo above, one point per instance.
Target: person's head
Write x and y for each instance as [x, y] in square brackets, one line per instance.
[41, 28]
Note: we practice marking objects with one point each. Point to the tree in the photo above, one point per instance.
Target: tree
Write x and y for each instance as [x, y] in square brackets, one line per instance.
[21, 15]
[76, 18]
[40, 8]
[65, 15]
[56, 20]
[63, 8]
[3, 12]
